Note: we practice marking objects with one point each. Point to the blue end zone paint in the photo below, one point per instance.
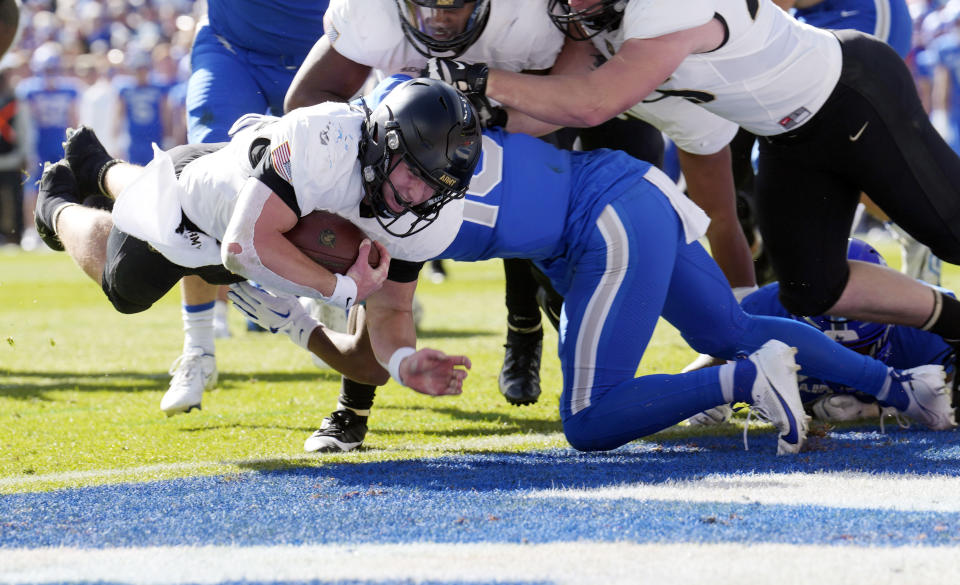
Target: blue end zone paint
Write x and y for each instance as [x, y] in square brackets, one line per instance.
[482, 498]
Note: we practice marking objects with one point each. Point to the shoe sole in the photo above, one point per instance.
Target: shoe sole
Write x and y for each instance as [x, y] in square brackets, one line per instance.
[179, 410]
[334, 447]
[782, 355]
[515, 402]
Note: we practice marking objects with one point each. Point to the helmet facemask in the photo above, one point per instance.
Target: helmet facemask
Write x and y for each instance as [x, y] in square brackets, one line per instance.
[605, 15]
[422, 23]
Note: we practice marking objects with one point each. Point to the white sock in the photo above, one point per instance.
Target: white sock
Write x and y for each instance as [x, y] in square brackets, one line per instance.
[198, 327]
[220, 309]
[725, 374]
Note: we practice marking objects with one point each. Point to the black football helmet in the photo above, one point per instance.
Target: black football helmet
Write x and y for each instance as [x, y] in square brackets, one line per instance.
[434, 129]
[423, 25]
[605, 15]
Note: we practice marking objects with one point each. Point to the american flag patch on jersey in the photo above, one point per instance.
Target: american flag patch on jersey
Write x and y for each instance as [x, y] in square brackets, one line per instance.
[280, 157]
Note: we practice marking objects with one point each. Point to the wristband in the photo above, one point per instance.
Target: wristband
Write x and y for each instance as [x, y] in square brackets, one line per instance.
[394, 366]
[344, 294]
[300, 329]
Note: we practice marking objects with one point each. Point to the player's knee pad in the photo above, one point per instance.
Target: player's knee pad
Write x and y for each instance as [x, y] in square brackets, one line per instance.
[809, 300]
[123, 305]
[126, 296]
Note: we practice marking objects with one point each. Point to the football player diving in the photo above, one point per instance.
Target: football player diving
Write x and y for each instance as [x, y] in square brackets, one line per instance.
[220, 210]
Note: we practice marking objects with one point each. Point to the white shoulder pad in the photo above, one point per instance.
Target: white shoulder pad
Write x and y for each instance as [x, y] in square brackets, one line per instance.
[315, 150]
[364, 31]
[647, 19]
[691, 127]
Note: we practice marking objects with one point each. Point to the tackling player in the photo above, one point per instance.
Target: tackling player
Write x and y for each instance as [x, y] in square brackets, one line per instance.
[838, 113]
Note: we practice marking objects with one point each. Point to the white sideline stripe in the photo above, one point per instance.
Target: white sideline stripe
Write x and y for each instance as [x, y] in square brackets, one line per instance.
[532, 440]
[598, 307]
[845, 489]
[573, 563]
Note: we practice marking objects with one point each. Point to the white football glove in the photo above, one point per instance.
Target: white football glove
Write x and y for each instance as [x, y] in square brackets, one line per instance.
[711, 417]
[274, 312]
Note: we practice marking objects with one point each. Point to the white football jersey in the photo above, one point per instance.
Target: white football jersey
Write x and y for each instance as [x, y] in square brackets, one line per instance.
[518, 36]
[315, 150]
[770, 76]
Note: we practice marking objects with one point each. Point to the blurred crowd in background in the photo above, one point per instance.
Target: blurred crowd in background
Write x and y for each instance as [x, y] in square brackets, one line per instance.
[121, 67]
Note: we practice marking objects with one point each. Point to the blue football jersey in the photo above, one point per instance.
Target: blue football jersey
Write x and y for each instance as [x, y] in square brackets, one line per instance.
[271, 27]
[888, 20]
[144, 109]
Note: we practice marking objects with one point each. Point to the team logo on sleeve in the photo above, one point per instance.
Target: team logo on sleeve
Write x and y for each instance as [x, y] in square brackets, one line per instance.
[332, 35]
[280, 157]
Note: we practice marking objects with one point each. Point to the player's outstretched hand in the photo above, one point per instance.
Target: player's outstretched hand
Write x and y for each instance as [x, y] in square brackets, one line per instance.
[369, 279]
[467, 77]
[273, 312]
[433, 372]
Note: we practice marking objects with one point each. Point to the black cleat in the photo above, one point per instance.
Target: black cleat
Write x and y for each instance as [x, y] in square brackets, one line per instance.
[343, 430]
[520, 377]
[88, 159]
[58, 187]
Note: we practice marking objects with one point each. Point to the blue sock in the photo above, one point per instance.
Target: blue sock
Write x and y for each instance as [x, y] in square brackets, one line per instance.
[743, 377]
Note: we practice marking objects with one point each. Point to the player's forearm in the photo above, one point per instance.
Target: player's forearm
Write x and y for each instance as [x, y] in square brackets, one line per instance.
[254, 247]
[710, 185]
[349, 354]
[563, 100]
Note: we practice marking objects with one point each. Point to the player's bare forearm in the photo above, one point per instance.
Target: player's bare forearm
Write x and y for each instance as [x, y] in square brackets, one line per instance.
[710, 185]
[579, 94]
[350, 354]
[390, 319]
[324, 76]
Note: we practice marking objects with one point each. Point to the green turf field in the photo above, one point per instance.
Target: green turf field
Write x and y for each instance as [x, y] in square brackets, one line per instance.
[80, 385]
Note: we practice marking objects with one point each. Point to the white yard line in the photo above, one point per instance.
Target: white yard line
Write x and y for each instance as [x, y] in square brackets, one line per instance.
[573, 563]
[845, 489]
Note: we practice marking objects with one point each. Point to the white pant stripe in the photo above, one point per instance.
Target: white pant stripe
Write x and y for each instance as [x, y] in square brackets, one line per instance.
[595, 315]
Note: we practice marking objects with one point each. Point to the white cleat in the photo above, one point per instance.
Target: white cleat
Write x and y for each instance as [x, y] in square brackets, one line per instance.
[711, 417]
[929, 398]
[193, 372]
[775, 396]
[837, 408]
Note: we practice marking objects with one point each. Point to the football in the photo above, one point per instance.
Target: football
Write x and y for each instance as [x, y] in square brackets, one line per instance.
[329, 240]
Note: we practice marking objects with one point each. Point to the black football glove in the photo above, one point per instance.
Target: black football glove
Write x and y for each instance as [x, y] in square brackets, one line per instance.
[468, 78]
[490, 116]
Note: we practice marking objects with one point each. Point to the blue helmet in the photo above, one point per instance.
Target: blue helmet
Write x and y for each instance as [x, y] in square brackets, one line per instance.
[863, 337]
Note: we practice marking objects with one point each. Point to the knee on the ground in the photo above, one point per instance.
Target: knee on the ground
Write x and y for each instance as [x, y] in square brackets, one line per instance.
[584, 438]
